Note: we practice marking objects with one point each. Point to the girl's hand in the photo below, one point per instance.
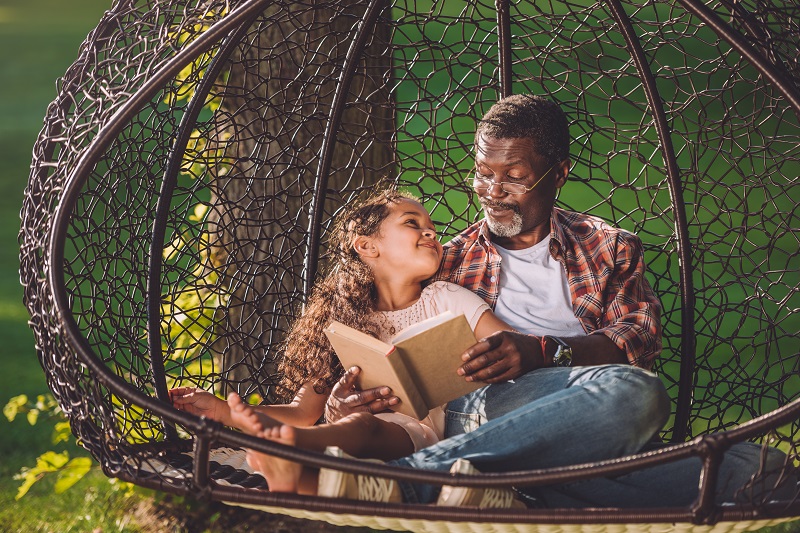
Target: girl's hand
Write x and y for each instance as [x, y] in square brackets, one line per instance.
[346, 398]
[201, 403]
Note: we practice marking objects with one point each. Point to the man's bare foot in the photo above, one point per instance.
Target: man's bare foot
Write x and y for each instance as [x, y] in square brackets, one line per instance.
[246, 418]
[282, 475]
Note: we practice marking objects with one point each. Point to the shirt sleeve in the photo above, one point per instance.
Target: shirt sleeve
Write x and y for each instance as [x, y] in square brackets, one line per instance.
[632, 311]
[456, 299]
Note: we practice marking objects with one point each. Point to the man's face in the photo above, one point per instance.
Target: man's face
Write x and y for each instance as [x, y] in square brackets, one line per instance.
[515, 160]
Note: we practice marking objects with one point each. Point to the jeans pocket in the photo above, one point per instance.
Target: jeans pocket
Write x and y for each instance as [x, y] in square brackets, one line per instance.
[456, 423]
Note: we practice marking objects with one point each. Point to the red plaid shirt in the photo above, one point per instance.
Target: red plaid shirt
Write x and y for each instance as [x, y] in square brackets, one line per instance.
[605, 271]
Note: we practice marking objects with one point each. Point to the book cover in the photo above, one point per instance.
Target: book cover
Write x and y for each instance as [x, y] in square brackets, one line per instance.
[419, 366]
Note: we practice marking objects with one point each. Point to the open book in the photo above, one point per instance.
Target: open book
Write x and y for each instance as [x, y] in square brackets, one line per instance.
[419, 365]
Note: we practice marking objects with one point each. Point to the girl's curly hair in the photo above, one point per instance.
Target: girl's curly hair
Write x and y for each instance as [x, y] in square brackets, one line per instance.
[346, 293]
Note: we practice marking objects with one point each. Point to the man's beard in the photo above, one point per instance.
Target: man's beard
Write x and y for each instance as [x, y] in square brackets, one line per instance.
[509, 229]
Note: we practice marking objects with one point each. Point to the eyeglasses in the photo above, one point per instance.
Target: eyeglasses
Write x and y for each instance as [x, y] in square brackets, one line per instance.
[509, 187]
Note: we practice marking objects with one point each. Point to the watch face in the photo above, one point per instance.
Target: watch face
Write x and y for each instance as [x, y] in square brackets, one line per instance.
[563, 355]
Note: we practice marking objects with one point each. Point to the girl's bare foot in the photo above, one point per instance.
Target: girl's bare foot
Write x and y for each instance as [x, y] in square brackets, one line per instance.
[282, 475]
[246, 418]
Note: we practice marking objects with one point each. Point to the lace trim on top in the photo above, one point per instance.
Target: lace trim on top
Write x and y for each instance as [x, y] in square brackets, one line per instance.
[390, 323]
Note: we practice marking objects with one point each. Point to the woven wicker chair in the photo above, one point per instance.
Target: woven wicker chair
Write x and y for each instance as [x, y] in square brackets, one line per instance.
[188, 171]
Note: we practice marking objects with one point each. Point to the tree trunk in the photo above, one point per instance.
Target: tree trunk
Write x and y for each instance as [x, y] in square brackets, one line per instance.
[275, 110]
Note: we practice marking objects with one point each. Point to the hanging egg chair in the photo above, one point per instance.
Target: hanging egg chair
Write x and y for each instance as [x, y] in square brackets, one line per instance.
[187, 174]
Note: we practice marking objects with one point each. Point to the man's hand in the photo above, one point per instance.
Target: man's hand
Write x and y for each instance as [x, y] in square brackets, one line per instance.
[346, 398]
[500, 357]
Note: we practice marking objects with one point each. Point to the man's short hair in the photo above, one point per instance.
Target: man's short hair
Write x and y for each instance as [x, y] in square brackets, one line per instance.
[529, 116]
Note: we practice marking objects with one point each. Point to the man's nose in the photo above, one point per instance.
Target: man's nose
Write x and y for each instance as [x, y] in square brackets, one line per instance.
[495, 188]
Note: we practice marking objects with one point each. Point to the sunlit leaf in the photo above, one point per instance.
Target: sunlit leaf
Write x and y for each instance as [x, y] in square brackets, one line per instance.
[47, 462]
[61, 432]
[11, 409]
[199, 213]
[51, 461]
[71, 473]
[41, 403]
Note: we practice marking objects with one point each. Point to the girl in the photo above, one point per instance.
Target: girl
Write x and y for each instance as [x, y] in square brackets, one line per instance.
[384, 250]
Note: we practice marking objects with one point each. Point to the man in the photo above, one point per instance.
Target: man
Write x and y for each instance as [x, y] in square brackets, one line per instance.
[573, 386]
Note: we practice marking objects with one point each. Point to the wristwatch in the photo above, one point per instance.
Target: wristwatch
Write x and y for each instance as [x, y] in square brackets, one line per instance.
[563, 355]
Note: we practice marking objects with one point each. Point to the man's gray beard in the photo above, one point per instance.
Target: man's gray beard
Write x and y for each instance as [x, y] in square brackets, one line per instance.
[511, 229]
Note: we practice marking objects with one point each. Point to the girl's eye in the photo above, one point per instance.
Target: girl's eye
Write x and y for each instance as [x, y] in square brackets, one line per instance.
[412, 222]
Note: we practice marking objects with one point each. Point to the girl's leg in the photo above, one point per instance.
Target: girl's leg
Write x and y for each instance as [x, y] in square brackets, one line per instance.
[361, 435]
[283, 475]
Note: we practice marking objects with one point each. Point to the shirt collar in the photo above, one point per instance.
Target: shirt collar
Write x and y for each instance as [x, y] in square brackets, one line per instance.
[484, 237]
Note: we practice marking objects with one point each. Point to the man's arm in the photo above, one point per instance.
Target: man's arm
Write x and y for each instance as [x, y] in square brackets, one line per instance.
[629, 328]
[508, 354]
[631, 315]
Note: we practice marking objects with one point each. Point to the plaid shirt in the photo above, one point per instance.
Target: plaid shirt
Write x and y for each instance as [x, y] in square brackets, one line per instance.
[605, 272]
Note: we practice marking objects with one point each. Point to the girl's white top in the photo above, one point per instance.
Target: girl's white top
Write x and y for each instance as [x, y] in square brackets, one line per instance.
[435, 299]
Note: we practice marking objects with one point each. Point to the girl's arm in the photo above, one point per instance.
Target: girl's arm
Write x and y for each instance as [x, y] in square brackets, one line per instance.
[488, 323]
[304, 410]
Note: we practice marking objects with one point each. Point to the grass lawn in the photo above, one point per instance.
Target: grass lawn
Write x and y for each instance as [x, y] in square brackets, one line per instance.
[40, 39]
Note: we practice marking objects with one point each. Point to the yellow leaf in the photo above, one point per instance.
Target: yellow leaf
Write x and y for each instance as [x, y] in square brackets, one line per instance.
[11, 409]
[45, 463]
[200, 211]
[61, 432]
[71, 473]
[51, 461]
[41, 402]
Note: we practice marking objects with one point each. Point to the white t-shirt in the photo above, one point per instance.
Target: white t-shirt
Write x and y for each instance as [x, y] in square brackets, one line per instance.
[436, 298]
[534, 296]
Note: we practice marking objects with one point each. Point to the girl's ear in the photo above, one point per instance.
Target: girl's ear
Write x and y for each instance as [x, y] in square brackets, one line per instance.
[365, 246]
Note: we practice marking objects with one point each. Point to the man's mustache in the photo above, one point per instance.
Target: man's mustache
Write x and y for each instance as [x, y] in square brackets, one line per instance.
[490, 204]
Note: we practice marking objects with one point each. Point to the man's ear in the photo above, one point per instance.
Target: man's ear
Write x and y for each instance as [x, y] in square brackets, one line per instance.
[562, 173]
[365, 246]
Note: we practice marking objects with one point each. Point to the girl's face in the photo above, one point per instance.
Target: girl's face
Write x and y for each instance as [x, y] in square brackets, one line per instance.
[405, 244]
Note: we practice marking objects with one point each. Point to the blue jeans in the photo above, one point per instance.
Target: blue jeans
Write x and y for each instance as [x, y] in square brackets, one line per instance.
[559, 416]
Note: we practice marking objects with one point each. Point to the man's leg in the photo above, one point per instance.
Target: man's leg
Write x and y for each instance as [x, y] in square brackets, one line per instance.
[551, 417]
[675, 484]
